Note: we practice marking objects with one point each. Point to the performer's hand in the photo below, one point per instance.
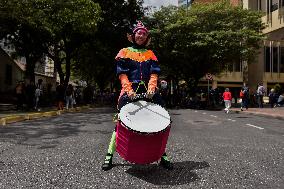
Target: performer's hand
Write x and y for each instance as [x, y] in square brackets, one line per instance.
[131, 95]
[150, 94]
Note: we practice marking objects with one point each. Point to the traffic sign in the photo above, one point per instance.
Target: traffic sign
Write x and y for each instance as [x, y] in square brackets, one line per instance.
[208, 76]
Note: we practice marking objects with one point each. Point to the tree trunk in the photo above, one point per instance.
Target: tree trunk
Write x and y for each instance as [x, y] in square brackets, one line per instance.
[30, 69]
[68, 68]
[245, 72]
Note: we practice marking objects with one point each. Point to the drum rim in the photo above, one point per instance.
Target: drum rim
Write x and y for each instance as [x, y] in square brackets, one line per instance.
[145, 133]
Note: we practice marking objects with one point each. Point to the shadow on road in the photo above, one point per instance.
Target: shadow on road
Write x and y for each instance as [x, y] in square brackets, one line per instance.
[48, 133]
[183, 173]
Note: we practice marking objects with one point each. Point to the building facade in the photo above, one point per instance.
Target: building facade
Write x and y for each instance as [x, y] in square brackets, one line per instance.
[185, 3]
[268, 67]
[12, 71]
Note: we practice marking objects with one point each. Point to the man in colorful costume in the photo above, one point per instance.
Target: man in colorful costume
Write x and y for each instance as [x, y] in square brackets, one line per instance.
[138, 71]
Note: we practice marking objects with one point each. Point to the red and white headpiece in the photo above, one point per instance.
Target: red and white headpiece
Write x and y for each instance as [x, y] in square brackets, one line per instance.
[139, 26]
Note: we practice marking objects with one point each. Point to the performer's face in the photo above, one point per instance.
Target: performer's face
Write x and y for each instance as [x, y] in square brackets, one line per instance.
[141, 37]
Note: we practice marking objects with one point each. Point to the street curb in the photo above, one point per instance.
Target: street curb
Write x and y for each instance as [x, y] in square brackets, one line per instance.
[260, 114]
[30, 116]
[12, 119]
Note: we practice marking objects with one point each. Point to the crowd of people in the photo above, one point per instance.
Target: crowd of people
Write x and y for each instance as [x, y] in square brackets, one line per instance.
[34, 96]
[29, 96]
[247, 97]
[243, 97]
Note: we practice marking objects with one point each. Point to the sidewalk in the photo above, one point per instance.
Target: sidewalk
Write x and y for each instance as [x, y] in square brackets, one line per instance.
[277, 112]
[16, 116]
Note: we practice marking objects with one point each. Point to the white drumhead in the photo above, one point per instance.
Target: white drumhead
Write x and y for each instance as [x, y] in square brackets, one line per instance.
[144, 116]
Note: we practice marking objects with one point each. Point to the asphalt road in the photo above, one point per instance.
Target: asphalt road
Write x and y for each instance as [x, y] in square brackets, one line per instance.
[209, 149]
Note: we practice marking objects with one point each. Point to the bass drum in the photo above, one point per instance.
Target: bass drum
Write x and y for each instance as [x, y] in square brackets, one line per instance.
[142, 132]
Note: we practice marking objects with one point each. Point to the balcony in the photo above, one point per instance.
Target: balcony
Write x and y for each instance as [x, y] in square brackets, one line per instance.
[273, 77]
[274, 20]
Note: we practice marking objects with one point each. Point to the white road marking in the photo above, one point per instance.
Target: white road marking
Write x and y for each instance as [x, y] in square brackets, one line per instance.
[203, 113]
[254, 126]
[231, 120]
[195, 111]
[213, 116]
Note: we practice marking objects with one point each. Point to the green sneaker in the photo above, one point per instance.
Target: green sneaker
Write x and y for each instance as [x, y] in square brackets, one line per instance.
[165, 163]
[107, 165]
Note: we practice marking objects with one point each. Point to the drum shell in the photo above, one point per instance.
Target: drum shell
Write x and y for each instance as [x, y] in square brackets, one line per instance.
[140, 148]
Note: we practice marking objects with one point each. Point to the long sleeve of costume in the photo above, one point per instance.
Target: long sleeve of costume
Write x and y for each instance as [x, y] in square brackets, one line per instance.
[152, 83]
[122, 70]
[125, 83]
[135, 65]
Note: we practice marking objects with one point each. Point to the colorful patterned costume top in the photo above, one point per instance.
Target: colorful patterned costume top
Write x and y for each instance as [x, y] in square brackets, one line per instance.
[137, 64]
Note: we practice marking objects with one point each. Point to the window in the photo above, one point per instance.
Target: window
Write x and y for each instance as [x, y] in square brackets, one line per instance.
[274, 5]
[267, 59]
[281, 64]
[259, 5]
[262, 6]
[275, 59]
[8, 76]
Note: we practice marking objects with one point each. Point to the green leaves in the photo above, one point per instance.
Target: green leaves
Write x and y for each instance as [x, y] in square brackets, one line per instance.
[206, 37]
[42, 27]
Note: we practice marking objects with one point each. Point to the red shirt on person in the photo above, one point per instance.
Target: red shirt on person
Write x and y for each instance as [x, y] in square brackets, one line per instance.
[227, 96]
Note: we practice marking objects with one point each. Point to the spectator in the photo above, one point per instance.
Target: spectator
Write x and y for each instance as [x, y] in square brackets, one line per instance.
[38, 95]
[227, 96]
[203, 100]
[280, 100]
[20, 95]
[69, 96]
[60, 96]
[244, 95]
[78, 95]
[260, 93]
[272, 98]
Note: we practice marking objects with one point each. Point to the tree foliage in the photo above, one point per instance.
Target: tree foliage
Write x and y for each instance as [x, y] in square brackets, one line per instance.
[48, 27]
[21, 24]
[70, 23]
[206, 38]
[96, 59]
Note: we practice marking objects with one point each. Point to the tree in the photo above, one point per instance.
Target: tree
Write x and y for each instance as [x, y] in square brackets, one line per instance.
[70, 23]
[55, 28]
[20, 22]
[162, 47]
[207, 38]
[97, 61]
